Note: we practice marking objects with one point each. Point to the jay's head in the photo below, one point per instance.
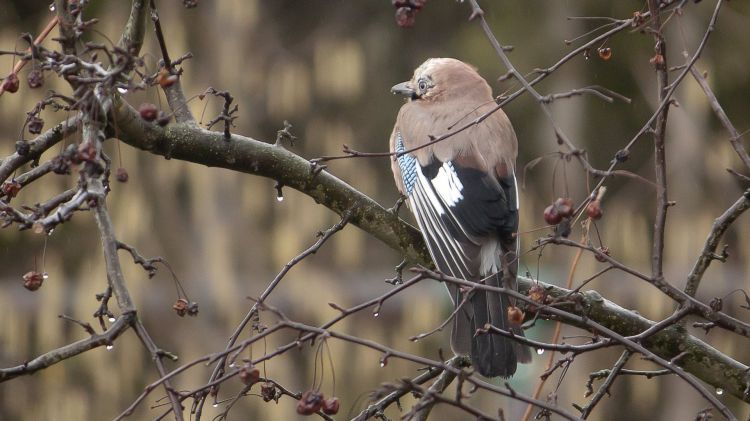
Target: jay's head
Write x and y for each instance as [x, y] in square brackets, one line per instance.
[442, 79]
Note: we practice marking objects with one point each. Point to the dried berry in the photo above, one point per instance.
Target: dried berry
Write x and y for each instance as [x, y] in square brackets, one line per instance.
[148, 112]
[163, 118]
[11, 188]
[564, 206]
[331, 406]
[268, 392]
[11, 83]
[716, 304]
[192, 309]
[35, 125]
[594, 209]
[515, 315]
[637, 19]
[657, 61]
[35, 79]
[86, 151]
[603, 250]
[605, 53]
[405, 17]
[23, 148]
[122, 175]
[537, 294]
[180, 307]
[165, 78]
[249, 374]
[551, 216]
[310, 402]
[60, 165]
[33, 280]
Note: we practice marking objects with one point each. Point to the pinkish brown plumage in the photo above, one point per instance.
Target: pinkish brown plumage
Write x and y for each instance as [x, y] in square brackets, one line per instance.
[462, 191]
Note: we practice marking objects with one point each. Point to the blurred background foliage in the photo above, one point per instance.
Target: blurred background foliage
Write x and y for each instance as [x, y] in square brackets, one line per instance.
[327, 66]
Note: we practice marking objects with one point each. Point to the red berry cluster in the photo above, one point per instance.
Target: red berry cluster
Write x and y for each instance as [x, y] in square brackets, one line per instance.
[561, 208]
[406, 11]
[183, 307]
[311, 402]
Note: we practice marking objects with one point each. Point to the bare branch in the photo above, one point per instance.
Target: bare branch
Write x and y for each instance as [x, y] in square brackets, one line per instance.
[659, 61]
[68, 351]
[735, 136]
[720, 226]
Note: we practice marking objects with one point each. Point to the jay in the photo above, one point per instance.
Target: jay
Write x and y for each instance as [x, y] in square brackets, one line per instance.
[462, 192]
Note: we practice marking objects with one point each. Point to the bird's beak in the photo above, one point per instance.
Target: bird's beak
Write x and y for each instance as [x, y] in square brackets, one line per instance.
[405, 89]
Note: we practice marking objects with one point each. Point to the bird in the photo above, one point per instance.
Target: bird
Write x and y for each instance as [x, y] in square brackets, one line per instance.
[463, 194]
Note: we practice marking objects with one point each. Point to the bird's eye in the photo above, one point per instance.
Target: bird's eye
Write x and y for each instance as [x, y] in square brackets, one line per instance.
[422, 85]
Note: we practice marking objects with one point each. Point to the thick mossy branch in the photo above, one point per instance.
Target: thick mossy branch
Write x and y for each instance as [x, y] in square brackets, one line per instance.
[700, 359]
[190, 143]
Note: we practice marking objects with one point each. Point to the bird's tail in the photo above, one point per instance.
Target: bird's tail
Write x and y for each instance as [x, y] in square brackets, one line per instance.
[491, 354]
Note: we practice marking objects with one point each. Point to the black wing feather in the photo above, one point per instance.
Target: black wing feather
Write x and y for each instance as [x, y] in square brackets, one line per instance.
[462, 210]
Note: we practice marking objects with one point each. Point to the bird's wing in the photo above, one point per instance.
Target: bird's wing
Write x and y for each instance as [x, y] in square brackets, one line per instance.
[459, 209]
[468, 218]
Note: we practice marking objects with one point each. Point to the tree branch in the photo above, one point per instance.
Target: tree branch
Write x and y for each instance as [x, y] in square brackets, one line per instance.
[721, 224]
[187, 142]
[135, 28]
[68, 351]
[722, 116]
[659, 62]
[37, 146]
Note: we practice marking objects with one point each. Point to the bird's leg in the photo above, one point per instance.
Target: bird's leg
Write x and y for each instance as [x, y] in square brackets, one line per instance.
[397, 206]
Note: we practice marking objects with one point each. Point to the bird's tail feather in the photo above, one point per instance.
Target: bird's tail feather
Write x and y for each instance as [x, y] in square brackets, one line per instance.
[491, 354]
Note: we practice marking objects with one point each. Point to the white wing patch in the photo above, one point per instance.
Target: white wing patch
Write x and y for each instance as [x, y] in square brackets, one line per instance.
[448, 185]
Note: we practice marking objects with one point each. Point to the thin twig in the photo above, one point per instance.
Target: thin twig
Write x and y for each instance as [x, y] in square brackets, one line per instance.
[604, 388]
